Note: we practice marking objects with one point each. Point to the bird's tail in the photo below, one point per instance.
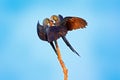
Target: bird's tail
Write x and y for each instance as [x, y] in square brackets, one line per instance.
[51, 43]
[69, 45]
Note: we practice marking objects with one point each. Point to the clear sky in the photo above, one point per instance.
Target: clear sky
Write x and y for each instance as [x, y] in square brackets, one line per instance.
[23, 56]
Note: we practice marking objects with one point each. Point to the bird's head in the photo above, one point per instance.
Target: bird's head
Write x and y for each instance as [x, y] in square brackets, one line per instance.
[55, 19]
[48, 22]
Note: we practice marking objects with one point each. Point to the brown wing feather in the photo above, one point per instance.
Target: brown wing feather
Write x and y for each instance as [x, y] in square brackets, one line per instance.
[73, 23]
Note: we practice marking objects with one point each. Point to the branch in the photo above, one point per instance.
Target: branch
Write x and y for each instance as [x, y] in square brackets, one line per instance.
[65, 70]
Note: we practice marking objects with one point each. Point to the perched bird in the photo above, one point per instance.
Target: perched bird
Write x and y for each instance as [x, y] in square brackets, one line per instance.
[42, 31]
[57, 27]
[70, 23]
[50, 34]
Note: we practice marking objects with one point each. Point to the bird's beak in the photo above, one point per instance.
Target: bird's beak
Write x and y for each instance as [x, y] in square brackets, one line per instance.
[51, 23]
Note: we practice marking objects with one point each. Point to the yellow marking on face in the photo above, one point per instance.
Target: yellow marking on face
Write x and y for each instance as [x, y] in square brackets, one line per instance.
[54, 17]
[47, 21]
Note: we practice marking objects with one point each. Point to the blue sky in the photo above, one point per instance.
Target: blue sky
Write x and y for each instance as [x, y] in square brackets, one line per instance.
[23, 56]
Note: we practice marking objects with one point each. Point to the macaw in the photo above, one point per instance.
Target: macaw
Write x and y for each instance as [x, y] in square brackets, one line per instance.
[53, 29]
[70, 23]
[42, 33]
[50, 34]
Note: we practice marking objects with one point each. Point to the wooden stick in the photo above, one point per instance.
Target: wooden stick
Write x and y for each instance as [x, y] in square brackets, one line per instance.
[65, 70]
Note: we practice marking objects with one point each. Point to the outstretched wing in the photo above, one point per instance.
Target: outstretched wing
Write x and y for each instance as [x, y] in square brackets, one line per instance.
[55, 32]
[73, 23]
[41, 32]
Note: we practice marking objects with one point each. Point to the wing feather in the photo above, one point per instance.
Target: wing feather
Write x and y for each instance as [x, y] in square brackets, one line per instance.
[55, 32]
[73, 23]
[41, 32]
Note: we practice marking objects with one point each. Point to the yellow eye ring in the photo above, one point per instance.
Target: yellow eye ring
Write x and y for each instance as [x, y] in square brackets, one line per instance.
[46, 21]
[54, 17]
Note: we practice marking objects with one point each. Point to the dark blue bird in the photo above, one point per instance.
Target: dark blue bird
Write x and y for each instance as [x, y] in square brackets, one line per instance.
[50, 34]
[42, 33]
[58, 27]
[70, 23]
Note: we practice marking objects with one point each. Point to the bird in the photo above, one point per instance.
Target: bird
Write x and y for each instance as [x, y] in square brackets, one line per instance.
[50, 34]
[51, 30]
[70, 23]
[42, 31]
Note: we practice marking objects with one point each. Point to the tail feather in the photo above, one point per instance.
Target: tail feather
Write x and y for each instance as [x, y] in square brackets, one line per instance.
[51, 43]
[69, 45]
